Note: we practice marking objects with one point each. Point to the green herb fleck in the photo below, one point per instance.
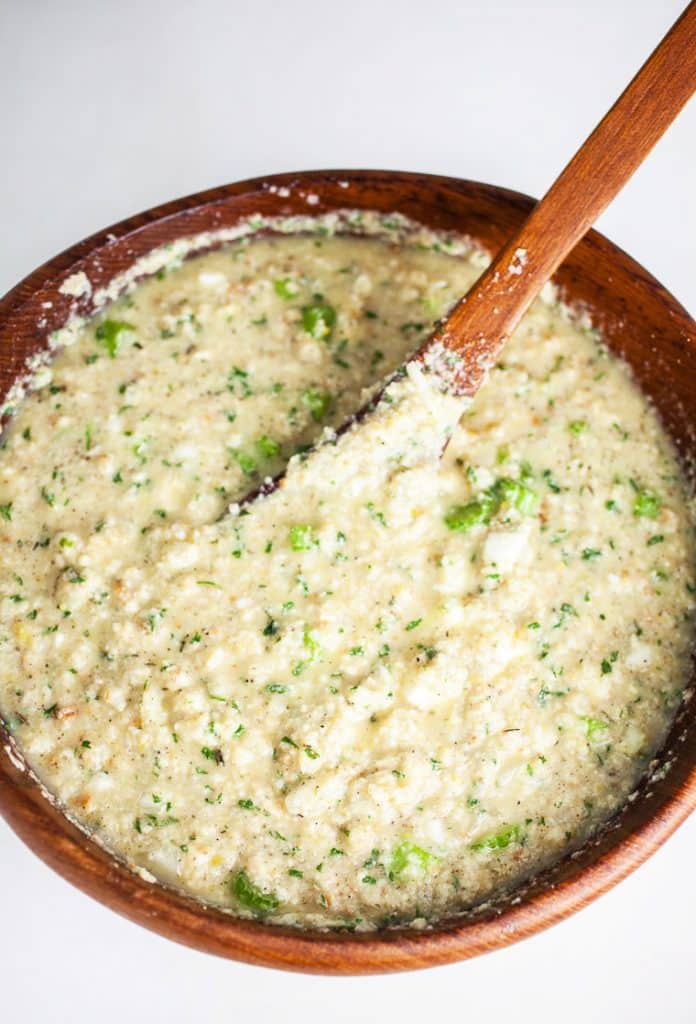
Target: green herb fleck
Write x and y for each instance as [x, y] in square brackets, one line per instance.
[646, 505]
[250, 896]
[109, 334]
[318, 320]
[593, 726]
[267, 447]
[213, 754]
[410, 859]
[462, 518]
[247, 463]
[500, 840]
[318, 403]
[301, 537]
[285, 287]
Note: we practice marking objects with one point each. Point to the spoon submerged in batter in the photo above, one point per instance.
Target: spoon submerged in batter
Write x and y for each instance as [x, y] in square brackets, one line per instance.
[464, 346]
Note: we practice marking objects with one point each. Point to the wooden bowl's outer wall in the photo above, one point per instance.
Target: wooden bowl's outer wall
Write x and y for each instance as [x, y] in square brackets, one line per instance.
[638, 318]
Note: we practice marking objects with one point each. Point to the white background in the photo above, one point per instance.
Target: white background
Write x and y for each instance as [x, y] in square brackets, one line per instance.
[107, 108]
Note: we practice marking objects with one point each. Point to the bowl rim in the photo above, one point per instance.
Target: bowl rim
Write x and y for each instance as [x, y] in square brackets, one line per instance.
[66, 847]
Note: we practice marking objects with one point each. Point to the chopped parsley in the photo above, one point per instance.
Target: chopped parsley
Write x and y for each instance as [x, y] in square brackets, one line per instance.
[250, 896]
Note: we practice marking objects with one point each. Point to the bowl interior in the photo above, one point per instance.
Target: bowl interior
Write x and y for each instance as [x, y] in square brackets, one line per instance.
[638, 319]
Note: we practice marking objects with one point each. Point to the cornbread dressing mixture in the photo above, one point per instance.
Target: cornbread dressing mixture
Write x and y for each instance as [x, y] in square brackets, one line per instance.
[393, 686]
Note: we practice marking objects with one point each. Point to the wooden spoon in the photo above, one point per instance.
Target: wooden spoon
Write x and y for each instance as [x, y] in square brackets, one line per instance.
[468, 341]
[479, 325]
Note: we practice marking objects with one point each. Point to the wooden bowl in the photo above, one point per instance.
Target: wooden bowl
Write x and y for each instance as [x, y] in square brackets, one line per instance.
[639, 320]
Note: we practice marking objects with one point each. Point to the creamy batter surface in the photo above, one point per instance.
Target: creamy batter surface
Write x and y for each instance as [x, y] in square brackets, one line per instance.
[395, 685]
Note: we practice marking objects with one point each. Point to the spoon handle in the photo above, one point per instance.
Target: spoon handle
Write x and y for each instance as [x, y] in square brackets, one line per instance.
[481, 322]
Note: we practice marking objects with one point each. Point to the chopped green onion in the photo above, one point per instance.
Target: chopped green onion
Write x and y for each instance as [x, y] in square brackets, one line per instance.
[647, 505]
[318, 320]
[301, 537]
[285, 287]
[410, 859]
[267, 447]
[109, 334]
[500, 840]
[318, 403]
